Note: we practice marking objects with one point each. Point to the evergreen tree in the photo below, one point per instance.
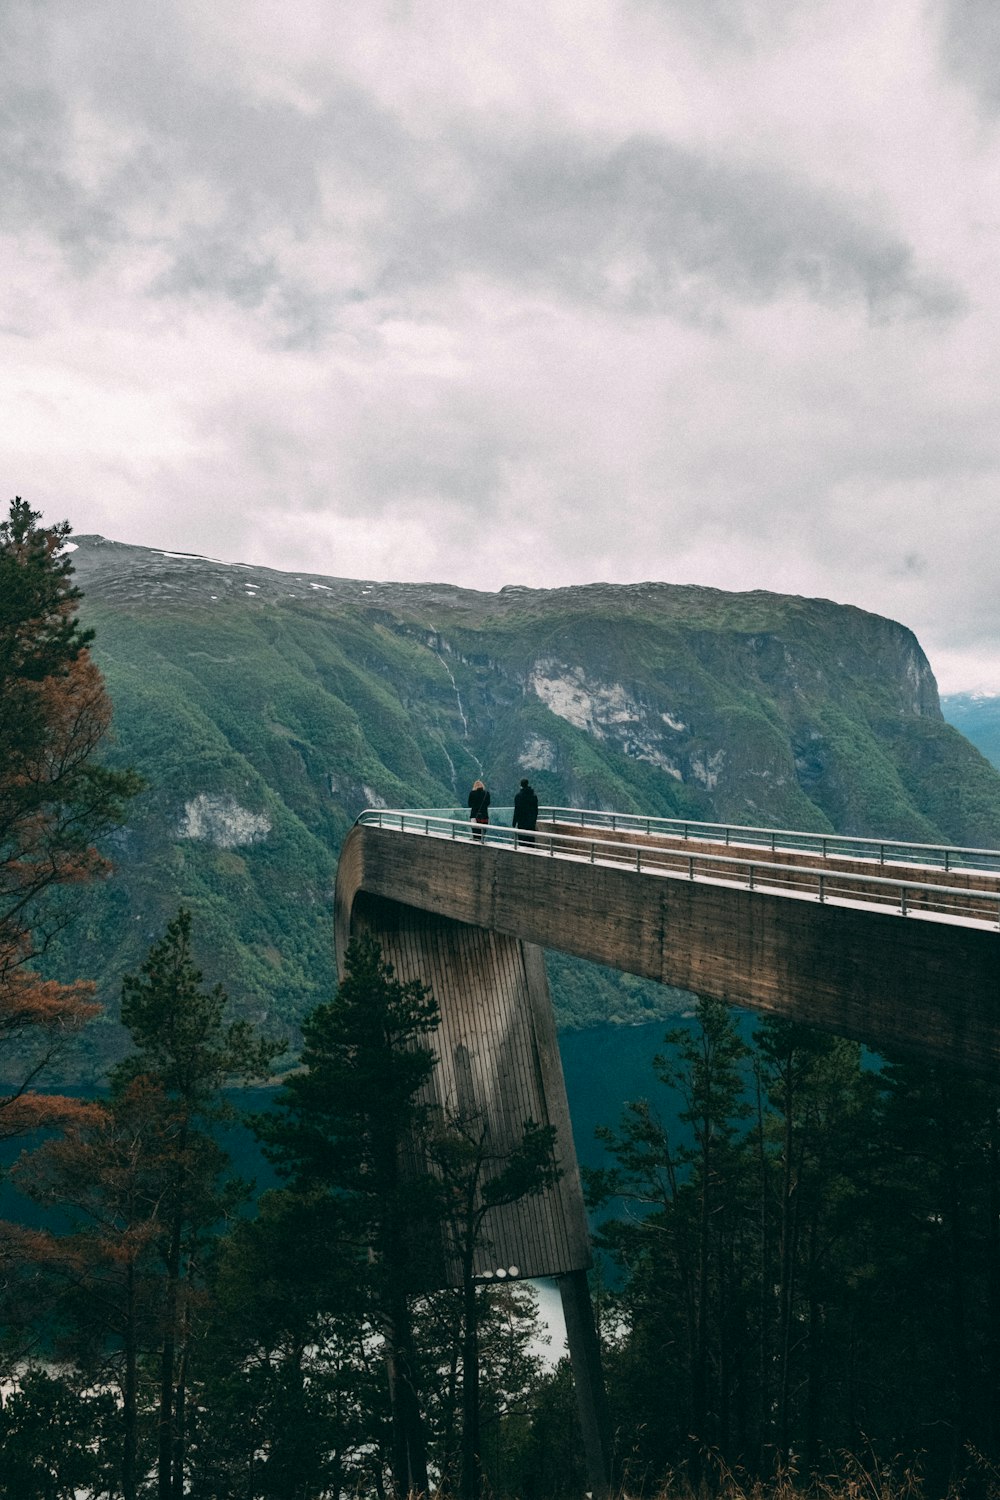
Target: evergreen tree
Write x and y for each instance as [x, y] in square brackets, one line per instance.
[348, 1124]
[477, 1177]
[109, 1172]
[688, 1249]
[933, 1309]
[290, 1403]
[145, 1181]
[186, 1049]
[820, 1179]
[51, 1440]
[55, 800]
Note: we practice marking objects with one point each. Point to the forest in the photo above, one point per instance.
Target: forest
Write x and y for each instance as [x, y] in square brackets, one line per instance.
[798, 1283]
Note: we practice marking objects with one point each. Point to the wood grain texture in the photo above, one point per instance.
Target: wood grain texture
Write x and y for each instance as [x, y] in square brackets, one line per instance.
[497, 1067]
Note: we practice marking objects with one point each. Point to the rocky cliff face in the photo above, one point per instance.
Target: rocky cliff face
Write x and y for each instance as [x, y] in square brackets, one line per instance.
[267, 709]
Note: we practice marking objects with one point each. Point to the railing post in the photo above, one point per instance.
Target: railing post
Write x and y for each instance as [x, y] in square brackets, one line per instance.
[691, 869]
[591, 852]
[751, 877]
[638, 861]
[946, 861]
[902, 900]
[822, 895]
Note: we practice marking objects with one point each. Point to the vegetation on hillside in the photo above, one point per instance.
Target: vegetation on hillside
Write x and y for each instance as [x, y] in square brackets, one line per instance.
[265, 721]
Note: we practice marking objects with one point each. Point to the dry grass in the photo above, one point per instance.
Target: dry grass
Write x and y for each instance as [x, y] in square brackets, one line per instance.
[853, 1478]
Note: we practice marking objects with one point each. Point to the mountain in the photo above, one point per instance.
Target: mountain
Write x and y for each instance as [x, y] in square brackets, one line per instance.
[977, 716]
[266, 709]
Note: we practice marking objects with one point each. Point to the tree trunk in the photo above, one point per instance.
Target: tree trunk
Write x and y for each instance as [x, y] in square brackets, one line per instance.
[765, 1283]
[165, 1425]
[993, 1280]
[180, 1394]
[409, 1458]
[471, 1481]
[130, 1392]
[786, 1293]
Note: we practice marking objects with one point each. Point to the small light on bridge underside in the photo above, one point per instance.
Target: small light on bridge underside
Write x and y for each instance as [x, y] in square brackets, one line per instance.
[502, 1273]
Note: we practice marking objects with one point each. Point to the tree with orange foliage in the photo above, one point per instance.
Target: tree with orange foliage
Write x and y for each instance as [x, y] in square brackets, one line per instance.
[145, 1185]
[56, 800]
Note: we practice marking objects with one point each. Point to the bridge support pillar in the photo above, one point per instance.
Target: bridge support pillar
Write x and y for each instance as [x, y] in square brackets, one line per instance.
[588, 1377]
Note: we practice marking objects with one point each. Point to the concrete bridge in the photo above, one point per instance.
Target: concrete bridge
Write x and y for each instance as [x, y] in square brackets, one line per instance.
[896, 945]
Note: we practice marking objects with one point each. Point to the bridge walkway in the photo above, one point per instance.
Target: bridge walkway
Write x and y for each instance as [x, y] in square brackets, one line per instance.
[934, 882]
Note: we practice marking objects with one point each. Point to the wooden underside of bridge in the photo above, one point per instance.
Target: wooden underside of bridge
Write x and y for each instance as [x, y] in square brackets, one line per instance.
[498, 1067]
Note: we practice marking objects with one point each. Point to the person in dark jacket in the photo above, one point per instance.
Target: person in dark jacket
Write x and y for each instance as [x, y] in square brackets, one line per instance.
[479, 807]
[525, 811]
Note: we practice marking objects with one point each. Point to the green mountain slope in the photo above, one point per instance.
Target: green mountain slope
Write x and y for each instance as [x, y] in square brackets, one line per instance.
[267, 709]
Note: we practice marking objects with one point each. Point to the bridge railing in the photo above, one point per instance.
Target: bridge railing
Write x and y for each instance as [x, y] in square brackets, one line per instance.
[906, 897]
[945, 857]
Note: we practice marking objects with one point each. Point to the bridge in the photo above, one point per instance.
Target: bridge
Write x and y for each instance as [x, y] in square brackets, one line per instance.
[890, 943]
[893, 944]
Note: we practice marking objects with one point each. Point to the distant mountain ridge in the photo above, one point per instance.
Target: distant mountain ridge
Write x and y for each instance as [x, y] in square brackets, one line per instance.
[266, 709]
[977, 716]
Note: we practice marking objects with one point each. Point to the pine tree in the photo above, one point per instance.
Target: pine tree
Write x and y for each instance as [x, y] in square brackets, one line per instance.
[55, 799]
[690, 1246]
[347, 1123]
[108, 1172]
[477, 1177]
[188, 1052]
[145, 1181]
[289, 1396]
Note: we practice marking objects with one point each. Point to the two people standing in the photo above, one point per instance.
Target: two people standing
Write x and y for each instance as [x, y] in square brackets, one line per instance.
[525, 809]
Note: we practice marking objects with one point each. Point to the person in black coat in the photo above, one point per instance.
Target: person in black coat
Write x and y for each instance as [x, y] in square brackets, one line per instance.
[525, 810]
[479, 807]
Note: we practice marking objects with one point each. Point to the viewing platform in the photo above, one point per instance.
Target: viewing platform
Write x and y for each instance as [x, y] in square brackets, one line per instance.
[895, 944]
[935, 881]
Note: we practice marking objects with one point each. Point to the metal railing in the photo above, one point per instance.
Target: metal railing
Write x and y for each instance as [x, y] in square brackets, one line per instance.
[945, 857]
[903, 896]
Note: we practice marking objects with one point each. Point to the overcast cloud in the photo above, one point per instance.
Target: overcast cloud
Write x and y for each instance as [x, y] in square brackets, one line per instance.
[538, 293]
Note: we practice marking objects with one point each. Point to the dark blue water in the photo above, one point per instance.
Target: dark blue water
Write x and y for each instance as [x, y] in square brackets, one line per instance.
[607, 1066]
[604, 1067]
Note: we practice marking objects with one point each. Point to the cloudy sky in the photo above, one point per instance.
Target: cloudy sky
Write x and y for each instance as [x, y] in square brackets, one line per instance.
[526, 291]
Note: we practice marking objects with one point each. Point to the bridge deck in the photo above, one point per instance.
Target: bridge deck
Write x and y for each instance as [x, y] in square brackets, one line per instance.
[933, 882]
[882, 946]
